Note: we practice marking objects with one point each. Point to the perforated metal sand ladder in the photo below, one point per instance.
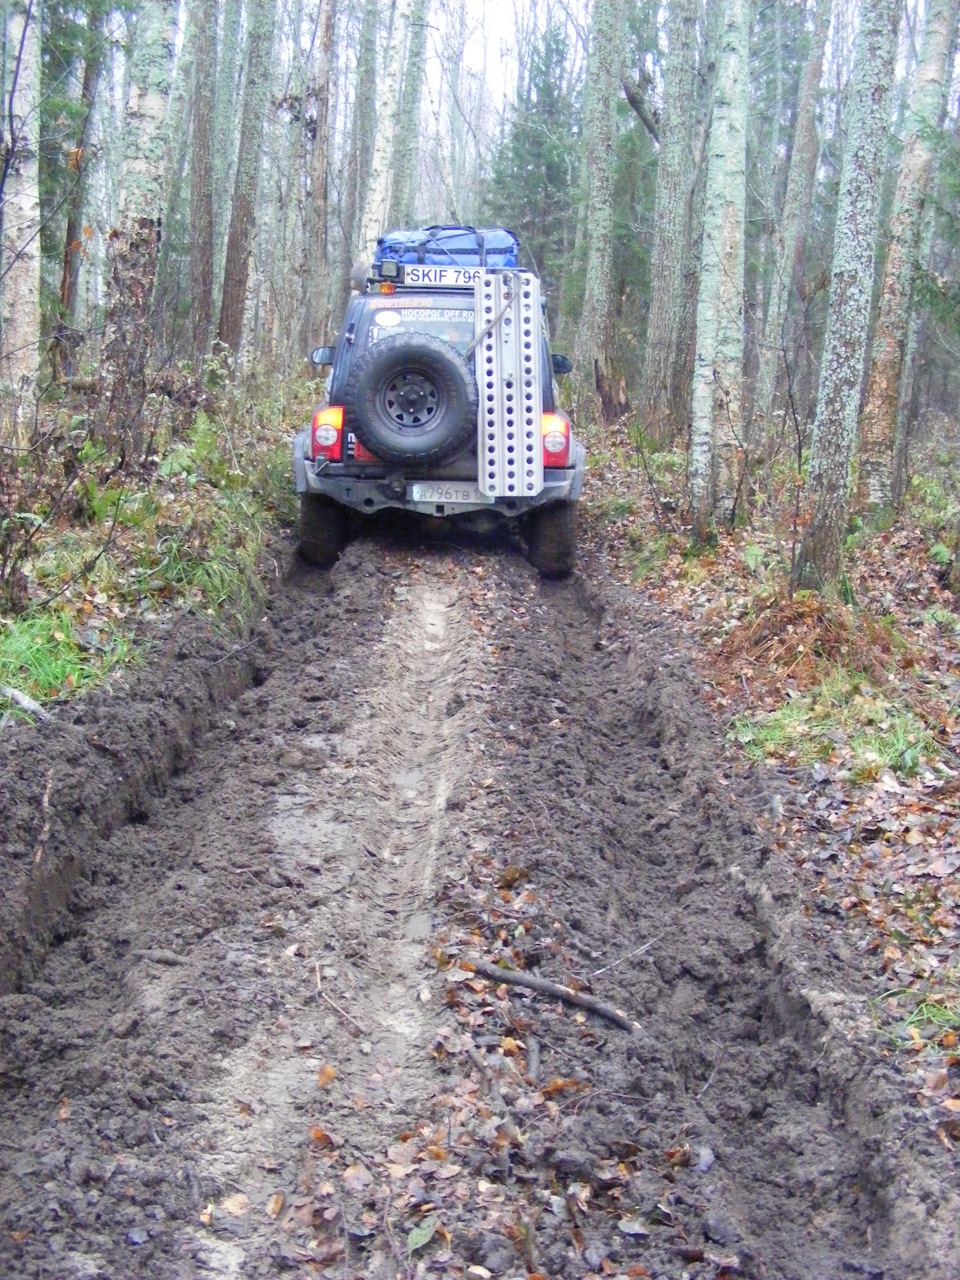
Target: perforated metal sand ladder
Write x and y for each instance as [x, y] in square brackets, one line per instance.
[509, 376]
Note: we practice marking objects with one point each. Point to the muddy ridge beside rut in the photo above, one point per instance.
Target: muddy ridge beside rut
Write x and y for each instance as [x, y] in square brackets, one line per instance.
[255, 1045]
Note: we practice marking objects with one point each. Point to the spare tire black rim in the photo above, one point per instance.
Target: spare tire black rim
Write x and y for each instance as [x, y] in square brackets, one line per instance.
[411, 399]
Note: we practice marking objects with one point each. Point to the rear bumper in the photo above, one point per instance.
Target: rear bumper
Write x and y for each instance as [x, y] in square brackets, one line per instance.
[369, 489]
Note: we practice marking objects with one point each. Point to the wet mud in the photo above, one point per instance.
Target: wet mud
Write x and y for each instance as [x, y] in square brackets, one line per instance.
[241, 1033]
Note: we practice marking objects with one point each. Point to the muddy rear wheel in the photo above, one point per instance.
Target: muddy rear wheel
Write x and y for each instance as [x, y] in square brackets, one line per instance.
[321, 529]
[552, 540]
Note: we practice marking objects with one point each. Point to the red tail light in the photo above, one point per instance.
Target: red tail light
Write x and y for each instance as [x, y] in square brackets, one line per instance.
[327, 433]
[556, 440]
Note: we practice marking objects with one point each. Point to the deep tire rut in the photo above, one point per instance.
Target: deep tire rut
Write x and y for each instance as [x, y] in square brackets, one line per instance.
[256, 1045]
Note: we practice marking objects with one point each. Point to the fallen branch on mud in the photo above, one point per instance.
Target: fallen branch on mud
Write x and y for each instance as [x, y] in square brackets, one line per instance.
[358, 1030]
[544, 987]
[45, 829]
[24, 702]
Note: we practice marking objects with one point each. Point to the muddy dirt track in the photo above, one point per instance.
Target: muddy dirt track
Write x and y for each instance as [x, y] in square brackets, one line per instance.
[242, 895]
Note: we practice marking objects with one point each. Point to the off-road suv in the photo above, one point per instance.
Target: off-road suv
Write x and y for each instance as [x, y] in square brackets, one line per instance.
[441, 401]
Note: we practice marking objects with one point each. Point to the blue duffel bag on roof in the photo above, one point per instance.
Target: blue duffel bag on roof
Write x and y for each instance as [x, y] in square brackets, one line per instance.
[450, 247]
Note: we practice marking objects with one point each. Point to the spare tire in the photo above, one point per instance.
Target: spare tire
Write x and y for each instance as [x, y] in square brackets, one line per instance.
[412, 398]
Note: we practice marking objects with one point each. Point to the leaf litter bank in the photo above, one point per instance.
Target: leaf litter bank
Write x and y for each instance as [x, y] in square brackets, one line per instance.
[258, 1042]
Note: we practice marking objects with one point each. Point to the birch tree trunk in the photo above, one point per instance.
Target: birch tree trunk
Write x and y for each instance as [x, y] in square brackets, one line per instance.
[716, 449]
[406, 149]
[794, 218]
[316, 265]
[20, 205]
[593, 366]
[204, 20]
[176, 147]
[376, 205]
[261, 20]
[851, 285]
[225, 137]
[878, 418]
[674, 172]
[681, 373]
[151, 68]
[362, 129]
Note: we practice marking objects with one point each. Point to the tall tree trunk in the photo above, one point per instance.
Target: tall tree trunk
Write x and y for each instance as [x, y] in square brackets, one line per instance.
[595, 387]
[716, 448]
[362, 129]
[674, 173]
[151, 67]
[176, 149]
[261, 19]
[204, 17]
[918, 337]
[851, 286]
[316, 266]
[225, 137]
[20, 203]
[794, 218]
[681, 372]
[376, 204]
[64, 340]
[406, 148]
[878, 418]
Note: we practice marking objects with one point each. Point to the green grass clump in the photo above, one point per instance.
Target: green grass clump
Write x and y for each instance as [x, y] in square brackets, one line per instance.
[869, 733]
[610, 510]
[42, 654]
[650, 555]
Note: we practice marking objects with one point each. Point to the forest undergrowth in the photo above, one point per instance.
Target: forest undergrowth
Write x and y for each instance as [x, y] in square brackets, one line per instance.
[849, 699]
[108, 546]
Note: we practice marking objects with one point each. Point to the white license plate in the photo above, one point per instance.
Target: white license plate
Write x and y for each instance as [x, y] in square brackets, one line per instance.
[447, 491]
[441, 277]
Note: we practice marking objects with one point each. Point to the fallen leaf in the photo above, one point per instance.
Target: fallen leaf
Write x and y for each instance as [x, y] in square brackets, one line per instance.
[936, 1081]
[558, 1085]
[420, 1235]
[633, 1226]
[275, 1204]
[952, 1104]
[512, 875]
[64, 1112]
[914, 836]
[237, 1204]
[206, 1215]
[326, 1075]
[357, 1177]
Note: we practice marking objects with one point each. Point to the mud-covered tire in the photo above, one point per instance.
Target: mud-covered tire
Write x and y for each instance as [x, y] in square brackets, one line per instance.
[552, 539]
[412, 398]
[322, 526]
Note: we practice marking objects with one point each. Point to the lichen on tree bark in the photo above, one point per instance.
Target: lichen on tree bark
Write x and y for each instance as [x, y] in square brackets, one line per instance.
[879, 414]
[841, 366]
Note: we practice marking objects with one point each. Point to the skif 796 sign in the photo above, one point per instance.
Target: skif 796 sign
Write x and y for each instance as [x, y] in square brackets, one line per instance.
[441, 277]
